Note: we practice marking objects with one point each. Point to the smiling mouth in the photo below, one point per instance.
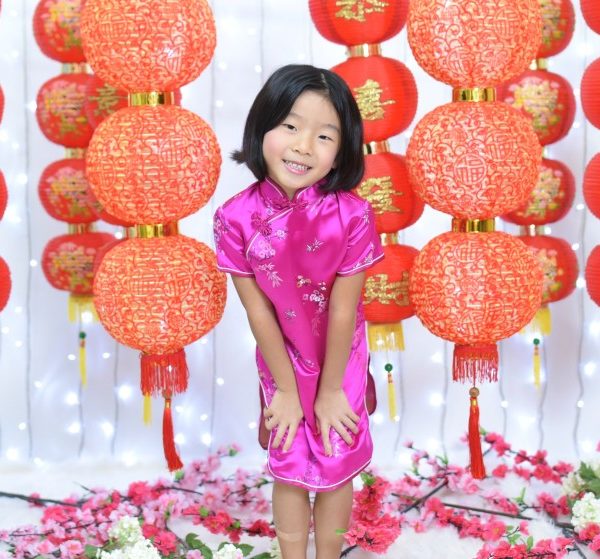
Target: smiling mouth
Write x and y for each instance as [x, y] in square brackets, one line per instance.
[296, 167]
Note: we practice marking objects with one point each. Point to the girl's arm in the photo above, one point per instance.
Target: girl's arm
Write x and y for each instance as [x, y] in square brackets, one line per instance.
[285, 411]
[331, 405]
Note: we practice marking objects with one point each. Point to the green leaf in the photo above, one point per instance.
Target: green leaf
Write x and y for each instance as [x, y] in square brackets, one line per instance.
[340, 531]
[367, 478]
[204, 512]
[193, 542]
[264, 555]
[232, 451]
[586, 473]
[593, 486]
[529, 543]
[521, 498]
[91, 551]
[244, 548]
[179, 475]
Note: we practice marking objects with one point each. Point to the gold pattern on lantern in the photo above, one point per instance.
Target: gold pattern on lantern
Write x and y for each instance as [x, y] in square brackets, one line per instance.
[80, 228]
[545, 195]
[388, 239]
[376, 147]
[155, 230]
[107, 99]
[378, 288]
[151, 98]
[473, 225]
[540, 100]
[552, 273]
[378, 192]
[358, 9]
[368, 98]
[364, 50]
[552, 21]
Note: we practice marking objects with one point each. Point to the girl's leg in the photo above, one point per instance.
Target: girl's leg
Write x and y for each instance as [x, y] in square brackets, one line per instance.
[331, 513]
[291, 513]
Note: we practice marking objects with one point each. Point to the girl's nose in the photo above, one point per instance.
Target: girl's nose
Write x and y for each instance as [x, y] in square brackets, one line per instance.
[302, 145]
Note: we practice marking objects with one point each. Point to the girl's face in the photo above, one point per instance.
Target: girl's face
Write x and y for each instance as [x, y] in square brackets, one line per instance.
[302, 149]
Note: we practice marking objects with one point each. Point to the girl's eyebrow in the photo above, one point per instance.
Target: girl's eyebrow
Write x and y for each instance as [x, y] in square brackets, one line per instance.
[324, 125]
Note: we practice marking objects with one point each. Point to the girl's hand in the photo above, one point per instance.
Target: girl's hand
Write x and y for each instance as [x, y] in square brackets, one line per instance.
[284, 413]
[333, 410]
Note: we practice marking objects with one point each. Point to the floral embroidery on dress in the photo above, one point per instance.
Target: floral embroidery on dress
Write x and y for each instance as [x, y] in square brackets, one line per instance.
[272, 274]
[262, 249]
[365, 215]
[314, 246]
[220, 227]
[290, 314]
[281, 234]
[301, 281]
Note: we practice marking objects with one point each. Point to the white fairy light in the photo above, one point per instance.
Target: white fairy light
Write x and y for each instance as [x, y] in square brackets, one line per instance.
[206, 439]
[580, 207]
[124, 391]
[33, 262]
[547, 230]
[107, 428]
[580, 403]
[378, 419]
[118, 235]
[129, 458]
[72, 399]
[595, 328]
[5, 329]
[204, 417]
[404, 458]
[203, 341]
[180, 438]
[71, 357]
[18, 310]
[252, 425]
[258, 68]
[587, 446]
[504, 403]
[38, 384]
[87, 317]
[38, 461]
[21, 179]
[12, 453]
[74, 428]
[436, 399]
[576, 124]
[32, 106]
[397, 418]
[106, 355]
[580, 283]
[437, 357]
[219, 103]
[220, 381]
[222, 65]
[18, 343]
[22, 426]
[575, 246]
[589, 368]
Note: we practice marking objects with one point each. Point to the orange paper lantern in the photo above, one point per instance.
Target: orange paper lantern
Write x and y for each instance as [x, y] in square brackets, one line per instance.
[386, 187]
[56, 29]
[474, 160]
[68, 261]
[3, 195]
[591, 12]
[475, 289]
[5, 283]
[60, 113]
[385, 92]
[153, 164]
[349, 23]
[590, 93]
[63, 190]
[592, 275]
[558, 18]
[546, 98]
[559, 264]
[591, 185]
[148, 45]
[158, 295]
[474, 44]
[100, 213]
[551, 198]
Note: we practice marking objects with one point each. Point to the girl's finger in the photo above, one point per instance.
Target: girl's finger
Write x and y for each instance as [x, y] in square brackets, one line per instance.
[347, 421]
[325, 439]
[268, 412]
[353, 416]
[289, 439]
[278, 437]
[341, 431]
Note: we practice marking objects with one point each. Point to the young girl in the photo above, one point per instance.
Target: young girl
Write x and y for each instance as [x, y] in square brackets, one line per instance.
[297, 243]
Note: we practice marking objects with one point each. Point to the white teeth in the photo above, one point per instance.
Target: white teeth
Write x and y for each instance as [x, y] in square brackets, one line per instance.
[297, 166]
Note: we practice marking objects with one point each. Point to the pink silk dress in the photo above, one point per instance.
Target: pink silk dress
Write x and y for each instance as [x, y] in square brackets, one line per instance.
[295, 249]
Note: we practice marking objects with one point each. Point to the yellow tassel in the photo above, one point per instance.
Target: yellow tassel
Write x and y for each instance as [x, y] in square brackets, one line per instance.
[391, 392]
[543, 321]
[147, 409]
[82, 360]
[537, 363]
[78, 304]
[385, 337]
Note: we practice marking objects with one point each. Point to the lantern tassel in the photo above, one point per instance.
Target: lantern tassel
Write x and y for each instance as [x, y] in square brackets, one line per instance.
[78, 304]
[173, 460]
[542, 321]
[537, 363]
[167, 373]
[147, 409]
[385, 337]
[391, 392]
[477, 466]
[475, 363]
[82, 359]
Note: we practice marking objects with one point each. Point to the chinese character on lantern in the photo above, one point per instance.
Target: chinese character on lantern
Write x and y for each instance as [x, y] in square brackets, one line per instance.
[357, 9]
[368, 98]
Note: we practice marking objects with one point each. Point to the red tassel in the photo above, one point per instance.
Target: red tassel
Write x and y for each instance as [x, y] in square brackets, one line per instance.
[477, 466]
[475, 363]
[173, 460]
[164, 373]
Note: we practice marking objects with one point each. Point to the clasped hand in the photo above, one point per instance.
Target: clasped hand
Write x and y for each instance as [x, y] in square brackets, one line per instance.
[284, 413]
[332, 410]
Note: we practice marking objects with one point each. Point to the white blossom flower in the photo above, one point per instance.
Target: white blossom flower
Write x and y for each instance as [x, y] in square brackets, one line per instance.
[275, 550]
[594, 463]
[127, 531]
[572, 484]
[586, 511]
[228, 551]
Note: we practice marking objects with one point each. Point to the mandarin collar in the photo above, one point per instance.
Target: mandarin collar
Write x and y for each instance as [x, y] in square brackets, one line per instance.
[276, 197]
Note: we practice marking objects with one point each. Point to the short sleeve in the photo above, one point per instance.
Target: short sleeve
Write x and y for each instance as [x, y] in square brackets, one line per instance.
[364, 246]
[230, 246]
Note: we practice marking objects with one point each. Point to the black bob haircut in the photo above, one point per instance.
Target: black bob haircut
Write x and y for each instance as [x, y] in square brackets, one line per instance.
[273, 104]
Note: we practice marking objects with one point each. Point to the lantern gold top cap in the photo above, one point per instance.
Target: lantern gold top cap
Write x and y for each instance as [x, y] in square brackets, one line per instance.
[151, 98]
[474, 94]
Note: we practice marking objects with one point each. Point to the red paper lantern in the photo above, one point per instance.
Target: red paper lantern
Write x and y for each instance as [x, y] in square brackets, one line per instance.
[386, 187]
[148, 45]
[3, 195]
[474, 44]
[385, 294]
[60, 113]
[1, 103]
[559, 264]
[558, 18]
[102, 100]
[56, 29]
[591, 185]
[158, 295]
[591, 13]
[474, 160]
[354, 23]
[592, 275]
[551, 198]
[590, 93]
[153, 164]
[547, 98]
[5, 283]
[63, 190]
[475, 289]
[385, 91]
[68, 261]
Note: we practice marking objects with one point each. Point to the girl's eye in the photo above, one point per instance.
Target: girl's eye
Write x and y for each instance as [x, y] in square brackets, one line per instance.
[288, 126]
[323, 137]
